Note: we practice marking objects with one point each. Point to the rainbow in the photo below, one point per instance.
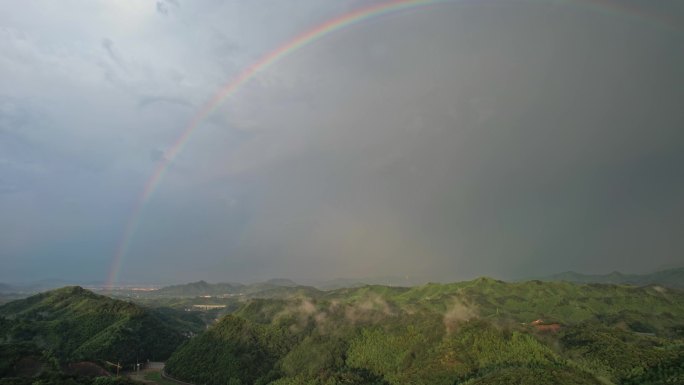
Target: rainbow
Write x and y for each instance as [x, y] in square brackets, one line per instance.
[268, 60]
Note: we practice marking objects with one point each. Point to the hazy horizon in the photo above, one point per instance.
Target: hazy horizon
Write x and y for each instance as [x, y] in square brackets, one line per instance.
[443, 142]
[310, 281]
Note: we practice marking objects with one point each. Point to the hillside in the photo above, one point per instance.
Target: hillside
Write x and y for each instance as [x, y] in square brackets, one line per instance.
[76, 324]
[475, 332]
[670, 278]
[237, 350]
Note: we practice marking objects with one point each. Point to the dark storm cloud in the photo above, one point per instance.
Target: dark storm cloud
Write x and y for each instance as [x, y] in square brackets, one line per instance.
[510, 153]
[442, 143]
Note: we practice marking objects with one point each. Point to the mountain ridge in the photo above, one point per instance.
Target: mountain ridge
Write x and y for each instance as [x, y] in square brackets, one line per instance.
[673, 277]
[78, 324]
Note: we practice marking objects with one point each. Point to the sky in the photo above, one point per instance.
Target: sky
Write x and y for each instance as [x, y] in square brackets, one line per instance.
[449, 141]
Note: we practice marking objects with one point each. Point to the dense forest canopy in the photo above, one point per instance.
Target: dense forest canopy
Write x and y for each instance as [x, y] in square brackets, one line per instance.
[73, 324]
[478, 332]
[483, 331]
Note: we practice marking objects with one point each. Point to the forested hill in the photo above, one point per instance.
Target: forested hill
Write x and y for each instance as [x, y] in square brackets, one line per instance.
[477, 332]
[76, 324]
[671, 278]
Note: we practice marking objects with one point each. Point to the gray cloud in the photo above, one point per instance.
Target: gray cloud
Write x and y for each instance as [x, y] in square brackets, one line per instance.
[162, 8]
[442, 143]
[147, 101]
[108, 45]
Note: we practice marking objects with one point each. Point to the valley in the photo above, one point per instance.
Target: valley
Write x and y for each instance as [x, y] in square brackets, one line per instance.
[482, 331]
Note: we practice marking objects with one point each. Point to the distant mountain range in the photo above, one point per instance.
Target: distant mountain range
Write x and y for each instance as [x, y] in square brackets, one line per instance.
[670, 278]
[673, 278]
[340, 283]
[200, 288]
[273, 287]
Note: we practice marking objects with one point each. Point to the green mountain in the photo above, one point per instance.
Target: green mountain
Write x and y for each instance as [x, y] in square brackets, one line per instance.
[75, 324]
[238, 351]
[670, 278]
[477, 332]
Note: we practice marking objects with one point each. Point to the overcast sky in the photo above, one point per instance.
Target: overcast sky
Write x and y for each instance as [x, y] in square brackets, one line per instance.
[501, 138]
